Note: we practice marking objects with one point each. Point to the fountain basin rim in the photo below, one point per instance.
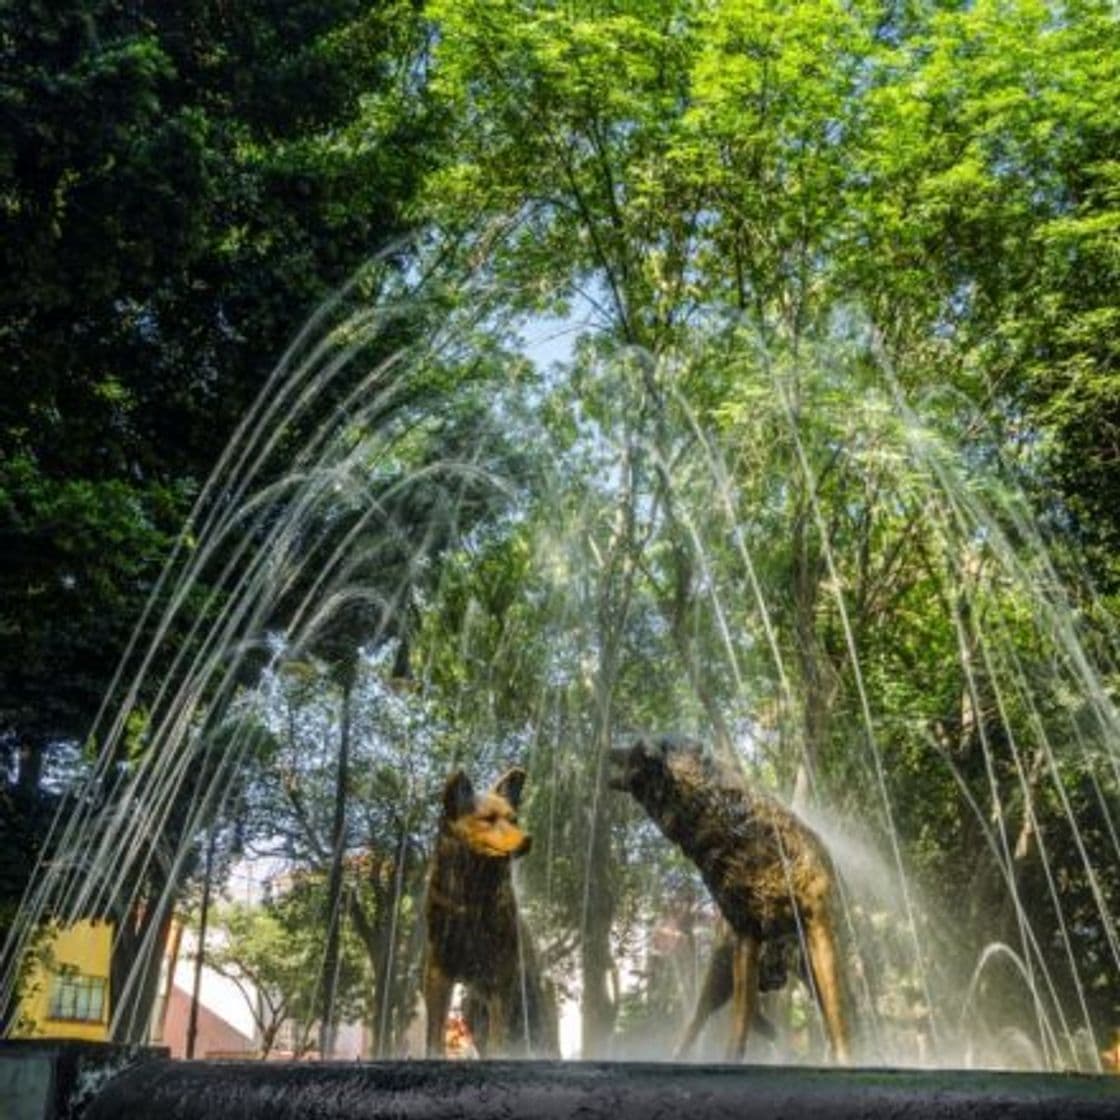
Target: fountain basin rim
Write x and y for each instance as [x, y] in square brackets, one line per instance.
[162, 1089]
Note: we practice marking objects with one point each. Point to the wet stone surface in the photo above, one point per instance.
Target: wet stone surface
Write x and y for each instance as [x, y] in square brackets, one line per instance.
[165, 1090]
[42, 1079]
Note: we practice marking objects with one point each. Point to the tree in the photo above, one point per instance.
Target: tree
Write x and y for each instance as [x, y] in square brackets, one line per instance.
[274, 950]
[176, 204]
[819, 226]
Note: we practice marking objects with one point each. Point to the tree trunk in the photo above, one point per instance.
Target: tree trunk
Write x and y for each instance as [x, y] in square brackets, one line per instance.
[598, 1008]
[172, 962]
[200, 955]
[329, 979]
[1008, 922]
[387, 960]
[817, 674]
[368, 935]
[617, 568]
[376, 937]
[268, 1038]
[134, 968]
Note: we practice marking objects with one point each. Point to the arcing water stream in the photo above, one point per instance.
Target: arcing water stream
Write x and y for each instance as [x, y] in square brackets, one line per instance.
[489, 562]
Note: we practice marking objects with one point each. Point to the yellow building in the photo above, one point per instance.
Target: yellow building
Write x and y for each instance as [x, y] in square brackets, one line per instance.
[68, 997]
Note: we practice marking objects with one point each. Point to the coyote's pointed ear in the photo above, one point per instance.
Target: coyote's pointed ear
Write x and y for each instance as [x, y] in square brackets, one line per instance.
[458, 796]
[510, 784]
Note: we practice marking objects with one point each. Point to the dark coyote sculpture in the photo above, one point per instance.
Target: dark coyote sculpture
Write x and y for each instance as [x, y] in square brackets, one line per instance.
[768, 872]
[475, 935]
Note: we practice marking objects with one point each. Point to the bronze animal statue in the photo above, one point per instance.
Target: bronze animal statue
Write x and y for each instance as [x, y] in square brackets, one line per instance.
[717, 985]
[767, 871]
[475, 935]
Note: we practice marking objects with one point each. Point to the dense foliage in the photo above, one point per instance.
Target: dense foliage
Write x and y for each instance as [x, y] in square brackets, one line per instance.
[175, 204]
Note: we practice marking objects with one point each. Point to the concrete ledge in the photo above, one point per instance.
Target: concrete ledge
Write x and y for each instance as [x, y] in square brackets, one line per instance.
[166, 1090]
[45, 1079]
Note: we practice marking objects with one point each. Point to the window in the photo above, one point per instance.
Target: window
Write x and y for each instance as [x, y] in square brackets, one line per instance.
[77, 998]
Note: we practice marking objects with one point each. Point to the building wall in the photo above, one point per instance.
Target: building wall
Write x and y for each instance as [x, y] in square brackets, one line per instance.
[216, 1037]
[80, 952]
[228, 1000]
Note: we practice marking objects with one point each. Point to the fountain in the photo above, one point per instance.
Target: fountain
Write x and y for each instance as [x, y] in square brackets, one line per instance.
[385, 577]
